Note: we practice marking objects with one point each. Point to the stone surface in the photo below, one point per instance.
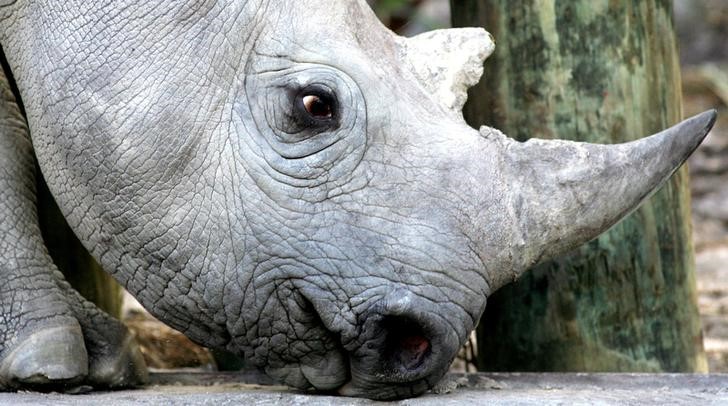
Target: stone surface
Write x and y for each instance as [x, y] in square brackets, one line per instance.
[494, 389]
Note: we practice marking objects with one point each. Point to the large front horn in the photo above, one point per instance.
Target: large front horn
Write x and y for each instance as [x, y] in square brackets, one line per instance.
[565, 193]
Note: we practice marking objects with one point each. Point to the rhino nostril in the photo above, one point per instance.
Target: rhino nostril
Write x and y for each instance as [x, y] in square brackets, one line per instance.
[406, 345]
[412, 351]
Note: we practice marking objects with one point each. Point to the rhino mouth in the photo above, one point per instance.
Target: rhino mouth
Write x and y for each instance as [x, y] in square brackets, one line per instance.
[397, 353]
[398, 346]
[405, 356]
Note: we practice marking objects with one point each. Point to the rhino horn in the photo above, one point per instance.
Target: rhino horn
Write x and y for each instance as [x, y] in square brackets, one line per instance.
[447, 62]
[566, 193]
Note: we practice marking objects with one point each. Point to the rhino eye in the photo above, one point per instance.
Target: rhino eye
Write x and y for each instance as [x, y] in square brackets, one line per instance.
[316, 106]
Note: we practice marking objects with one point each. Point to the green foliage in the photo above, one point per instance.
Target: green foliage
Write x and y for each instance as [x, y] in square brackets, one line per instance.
[405, 16]
[385, 9]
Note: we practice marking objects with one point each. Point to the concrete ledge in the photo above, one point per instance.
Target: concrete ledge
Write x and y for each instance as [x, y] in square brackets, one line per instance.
[178, 388]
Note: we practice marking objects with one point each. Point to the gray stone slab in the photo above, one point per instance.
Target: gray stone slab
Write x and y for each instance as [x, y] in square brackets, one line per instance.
[492, 388]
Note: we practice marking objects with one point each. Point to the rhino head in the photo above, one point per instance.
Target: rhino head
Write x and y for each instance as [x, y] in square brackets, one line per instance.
[291, 181]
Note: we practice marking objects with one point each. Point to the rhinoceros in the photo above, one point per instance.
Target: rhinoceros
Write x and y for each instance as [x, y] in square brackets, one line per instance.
[287, 180]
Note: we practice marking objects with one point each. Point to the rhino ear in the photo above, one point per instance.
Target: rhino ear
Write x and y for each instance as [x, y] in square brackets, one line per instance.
[448, 62]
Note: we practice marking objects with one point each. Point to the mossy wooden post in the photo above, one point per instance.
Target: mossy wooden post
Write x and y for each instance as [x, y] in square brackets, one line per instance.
[78, 266]
[602, 71]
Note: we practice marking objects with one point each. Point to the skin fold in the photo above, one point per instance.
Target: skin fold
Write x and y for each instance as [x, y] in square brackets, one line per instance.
[287, 180]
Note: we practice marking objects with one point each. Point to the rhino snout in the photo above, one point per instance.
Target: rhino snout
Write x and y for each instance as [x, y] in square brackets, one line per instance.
[407, 346]
[400, 346]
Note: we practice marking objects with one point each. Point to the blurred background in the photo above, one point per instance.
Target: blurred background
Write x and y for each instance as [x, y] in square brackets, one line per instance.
[702, 27]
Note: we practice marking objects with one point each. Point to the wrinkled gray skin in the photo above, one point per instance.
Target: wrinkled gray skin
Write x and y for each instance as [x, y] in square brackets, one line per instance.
[351, 254]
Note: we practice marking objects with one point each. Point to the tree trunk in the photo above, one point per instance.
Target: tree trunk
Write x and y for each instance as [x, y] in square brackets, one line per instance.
[77, 265]
[601, 71]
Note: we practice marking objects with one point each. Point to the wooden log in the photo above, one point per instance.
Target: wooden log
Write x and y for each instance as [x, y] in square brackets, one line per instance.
[601, 71]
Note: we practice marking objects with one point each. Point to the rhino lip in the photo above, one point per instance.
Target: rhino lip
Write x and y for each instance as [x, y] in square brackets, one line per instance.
[397, 350]
[333, 369]
[402, 356]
